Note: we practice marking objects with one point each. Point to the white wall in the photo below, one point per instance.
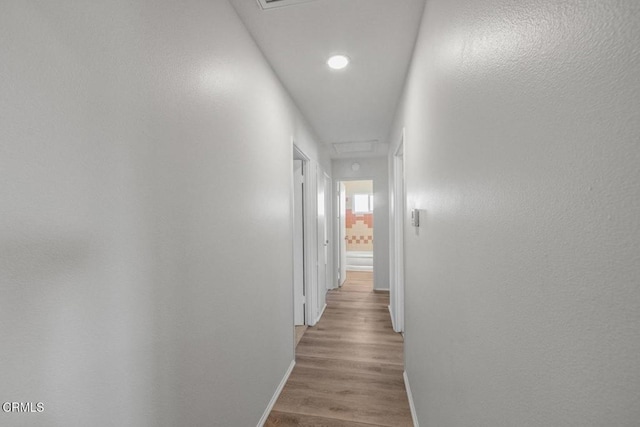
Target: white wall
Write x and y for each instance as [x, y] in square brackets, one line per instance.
[374, 168]
[145, 153]
[356, 187]
[522, 151]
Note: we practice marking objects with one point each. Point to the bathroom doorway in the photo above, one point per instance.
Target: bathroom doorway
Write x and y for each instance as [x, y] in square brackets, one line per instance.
[355, 216]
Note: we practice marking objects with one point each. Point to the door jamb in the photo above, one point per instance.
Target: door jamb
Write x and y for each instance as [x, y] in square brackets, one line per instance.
[309, 229]
[337, 217]
[399, 204]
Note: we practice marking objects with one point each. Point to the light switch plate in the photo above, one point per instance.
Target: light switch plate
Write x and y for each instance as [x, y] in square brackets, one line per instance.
[415, 217]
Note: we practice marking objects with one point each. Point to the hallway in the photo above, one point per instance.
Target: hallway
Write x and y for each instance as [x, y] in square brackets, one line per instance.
[148, 270]
[349, 366]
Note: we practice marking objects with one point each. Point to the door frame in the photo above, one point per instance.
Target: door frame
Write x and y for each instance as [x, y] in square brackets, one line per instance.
[328, 213]
[398, 214]
[298, 197]
[340, 237]
[338, 218]
[309, 238]
[322, 244]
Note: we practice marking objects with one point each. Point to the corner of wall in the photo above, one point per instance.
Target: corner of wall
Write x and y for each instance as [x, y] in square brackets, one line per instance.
[414, 415]
[276, 395]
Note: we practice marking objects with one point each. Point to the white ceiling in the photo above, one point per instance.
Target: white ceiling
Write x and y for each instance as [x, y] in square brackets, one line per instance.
[356, 104]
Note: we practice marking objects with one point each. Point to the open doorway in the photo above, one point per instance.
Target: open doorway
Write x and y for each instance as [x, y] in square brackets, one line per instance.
[298, 242]
[311, 204]
[355, 218]
[300, 166]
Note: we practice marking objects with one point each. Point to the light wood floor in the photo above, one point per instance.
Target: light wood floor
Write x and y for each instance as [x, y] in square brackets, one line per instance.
[349, 366]
[300, 330]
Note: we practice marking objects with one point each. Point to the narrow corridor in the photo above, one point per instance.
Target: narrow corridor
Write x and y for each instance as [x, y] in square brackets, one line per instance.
[349, 366]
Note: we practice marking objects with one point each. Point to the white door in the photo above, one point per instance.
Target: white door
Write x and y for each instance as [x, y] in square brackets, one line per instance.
[298, 242]
[332, 274]
[342, 225]
[322, 243]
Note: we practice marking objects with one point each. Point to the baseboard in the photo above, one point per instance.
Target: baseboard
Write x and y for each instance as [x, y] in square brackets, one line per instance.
[414, 416]
[321, 313]
[359, 268]
[393, 321]
[274, 399]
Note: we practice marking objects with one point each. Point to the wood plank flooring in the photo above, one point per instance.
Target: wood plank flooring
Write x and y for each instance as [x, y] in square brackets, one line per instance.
[299, 333]
[349, 366]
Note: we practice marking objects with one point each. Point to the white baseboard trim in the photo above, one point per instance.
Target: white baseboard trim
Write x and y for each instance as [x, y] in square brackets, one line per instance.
[321, 313]
[359, 268]
[274, 399]
[393, 321]
[414, 416]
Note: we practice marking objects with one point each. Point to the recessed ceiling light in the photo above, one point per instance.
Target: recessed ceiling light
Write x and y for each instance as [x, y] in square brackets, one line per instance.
[338, 62]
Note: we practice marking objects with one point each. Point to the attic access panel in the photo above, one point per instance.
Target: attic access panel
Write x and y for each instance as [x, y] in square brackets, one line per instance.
[268, 4]
[354, 147]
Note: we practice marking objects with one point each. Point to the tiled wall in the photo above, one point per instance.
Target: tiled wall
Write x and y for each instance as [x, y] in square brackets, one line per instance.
[359, 227]
[359, 231]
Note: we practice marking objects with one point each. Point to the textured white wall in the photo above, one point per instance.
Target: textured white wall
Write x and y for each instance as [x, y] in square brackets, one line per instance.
[374, 168]
[139, 171]
[523, 148]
